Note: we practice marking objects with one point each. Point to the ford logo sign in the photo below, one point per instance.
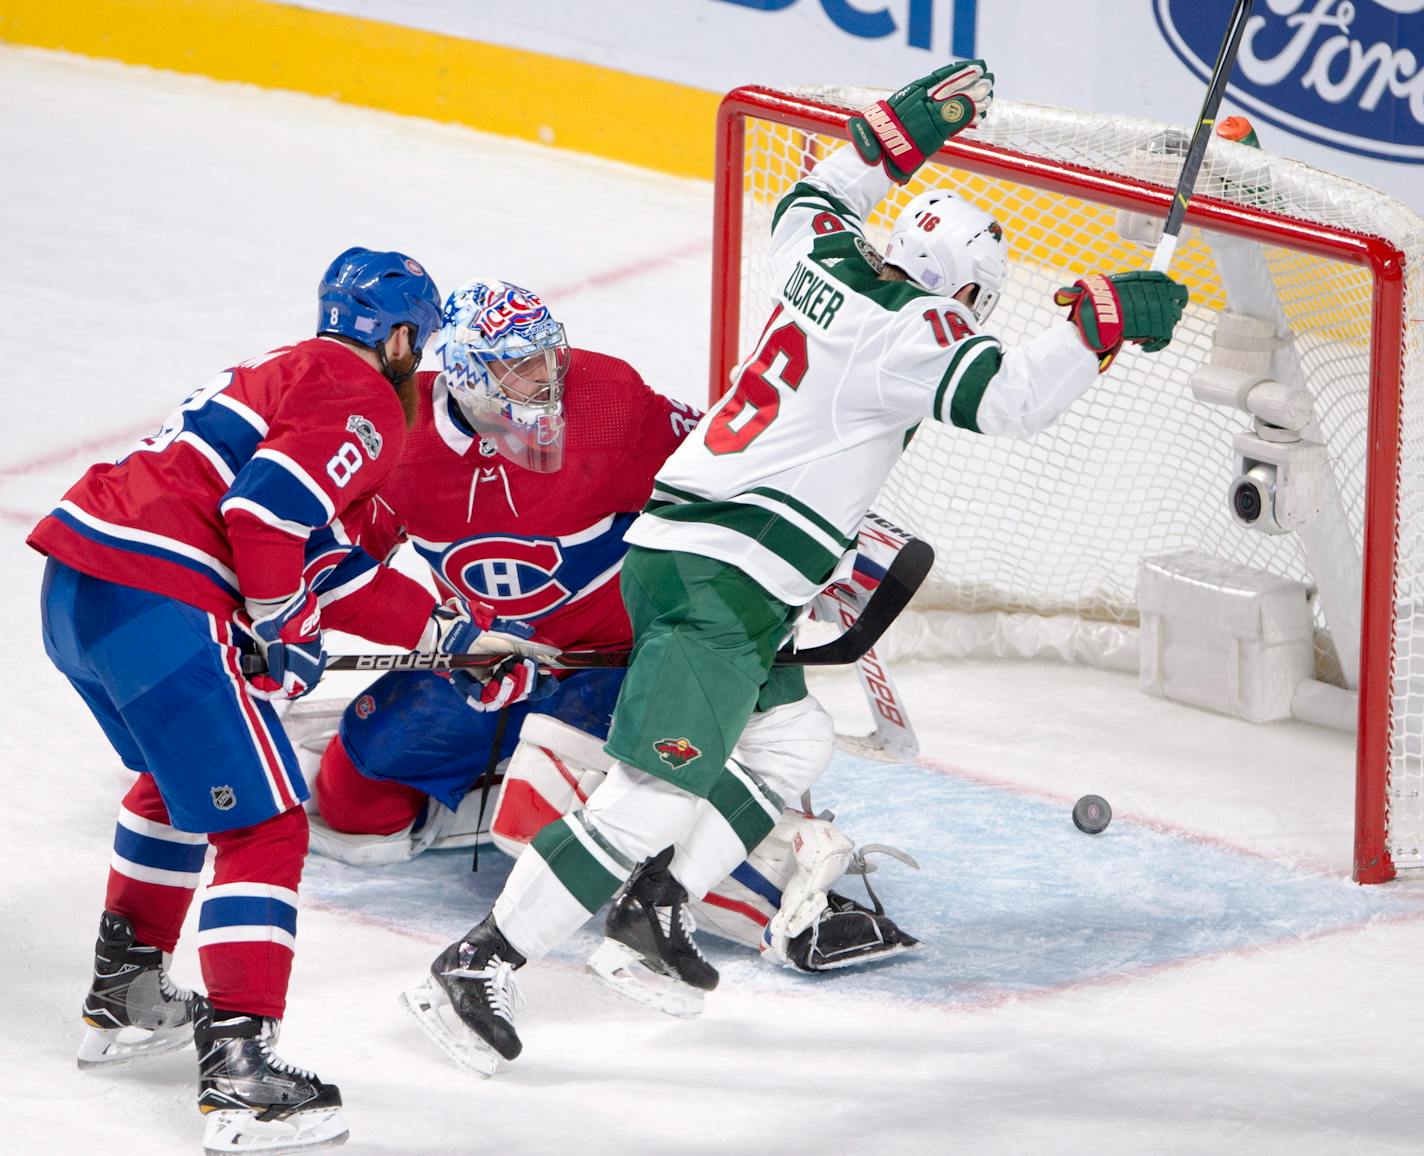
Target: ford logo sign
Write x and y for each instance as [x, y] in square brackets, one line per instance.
[1345, 73]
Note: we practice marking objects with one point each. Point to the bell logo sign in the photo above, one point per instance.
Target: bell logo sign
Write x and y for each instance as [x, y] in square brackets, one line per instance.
[876, 23]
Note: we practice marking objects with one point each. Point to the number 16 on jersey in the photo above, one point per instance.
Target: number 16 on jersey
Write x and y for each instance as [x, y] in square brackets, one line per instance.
[755, 402]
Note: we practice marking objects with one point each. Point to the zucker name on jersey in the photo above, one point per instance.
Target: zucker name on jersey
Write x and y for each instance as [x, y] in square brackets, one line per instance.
[748, 520]
[780, 473]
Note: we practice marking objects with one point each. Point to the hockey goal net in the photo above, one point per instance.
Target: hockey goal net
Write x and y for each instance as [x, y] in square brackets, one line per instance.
[1039, 543]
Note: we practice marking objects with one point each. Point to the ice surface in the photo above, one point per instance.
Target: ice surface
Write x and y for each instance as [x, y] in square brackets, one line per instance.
[1202, 977]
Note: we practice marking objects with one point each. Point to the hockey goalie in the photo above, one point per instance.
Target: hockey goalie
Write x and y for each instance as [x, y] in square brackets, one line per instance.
[525, 519]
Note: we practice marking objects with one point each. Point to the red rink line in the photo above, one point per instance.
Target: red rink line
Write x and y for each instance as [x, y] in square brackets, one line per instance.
[971, 1000]
[627, 272]
[65, 454]
[91, 446]
[1310, 866]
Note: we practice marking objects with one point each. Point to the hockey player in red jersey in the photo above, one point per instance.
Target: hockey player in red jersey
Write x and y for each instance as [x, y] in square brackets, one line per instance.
[199, 548]
[526, 462]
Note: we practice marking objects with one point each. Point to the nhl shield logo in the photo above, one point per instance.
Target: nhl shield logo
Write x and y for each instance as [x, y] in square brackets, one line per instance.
[224, 798]
[676, 752]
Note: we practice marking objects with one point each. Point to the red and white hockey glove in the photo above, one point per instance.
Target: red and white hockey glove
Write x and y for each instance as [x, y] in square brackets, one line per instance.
[509, 681]
[905, 131]
[289, 638]
[1143, 307]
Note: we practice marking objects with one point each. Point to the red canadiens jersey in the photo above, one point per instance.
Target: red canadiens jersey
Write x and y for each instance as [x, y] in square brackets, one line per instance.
[218, 506]
[542, 548]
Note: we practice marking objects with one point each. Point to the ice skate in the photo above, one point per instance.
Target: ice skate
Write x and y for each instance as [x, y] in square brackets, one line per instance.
[649, 954]
[254, 1101]
[133, 1009]
[469, 1002]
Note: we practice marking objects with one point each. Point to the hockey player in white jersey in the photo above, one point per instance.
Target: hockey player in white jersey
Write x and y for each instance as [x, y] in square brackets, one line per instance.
[755, 513]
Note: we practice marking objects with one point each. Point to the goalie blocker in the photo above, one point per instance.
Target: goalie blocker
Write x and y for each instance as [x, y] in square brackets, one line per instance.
[778, 901]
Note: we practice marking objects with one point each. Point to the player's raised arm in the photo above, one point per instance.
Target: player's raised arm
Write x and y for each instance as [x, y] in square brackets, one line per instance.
[891, 139]
[940, 364]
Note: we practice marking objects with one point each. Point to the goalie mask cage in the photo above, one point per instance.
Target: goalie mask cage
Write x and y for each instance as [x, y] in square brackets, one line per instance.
[1046, 535]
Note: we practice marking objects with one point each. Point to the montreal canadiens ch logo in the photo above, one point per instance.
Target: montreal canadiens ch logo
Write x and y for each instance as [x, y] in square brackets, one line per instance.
[514, 575]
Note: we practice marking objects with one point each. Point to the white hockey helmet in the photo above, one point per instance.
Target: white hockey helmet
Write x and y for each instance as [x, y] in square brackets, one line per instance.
[943, 243]
[504, 359]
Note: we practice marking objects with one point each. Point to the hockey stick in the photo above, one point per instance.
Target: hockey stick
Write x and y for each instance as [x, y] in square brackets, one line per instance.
[893, 738]
[1201, 135]
[902, 578]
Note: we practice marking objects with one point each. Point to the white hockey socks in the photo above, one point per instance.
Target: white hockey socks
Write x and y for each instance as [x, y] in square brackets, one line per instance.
[577, 862]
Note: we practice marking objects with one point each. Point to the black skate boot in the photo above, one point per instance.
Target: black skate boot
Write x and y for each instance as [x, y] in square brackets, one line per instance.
[468, 1004]
[254, 1101]
[133, 1009]
[648, 953]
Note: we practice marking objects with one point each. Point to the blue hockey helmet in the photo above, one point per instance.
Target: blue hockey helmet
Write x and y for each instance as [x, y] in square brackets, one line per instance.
[365, 294]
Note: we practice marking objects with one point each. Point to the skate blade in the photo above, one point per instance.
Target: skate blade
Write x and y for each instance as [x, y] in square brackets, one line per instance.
[105, 1047]
[232, 1130]
[623, 969]
[432, 1010]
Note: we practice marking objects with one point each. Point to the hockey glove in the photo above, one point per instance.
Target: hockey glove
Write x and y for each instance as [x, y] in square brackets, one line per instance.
[905, 131]
[1141, 307]
[461, 627]
[512, 680]
[289, 638]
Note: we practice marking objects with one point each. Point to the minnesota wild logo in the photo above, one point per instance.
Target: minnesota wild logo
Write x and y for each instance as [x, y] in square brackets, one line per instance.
[954, 110]
[676, 752]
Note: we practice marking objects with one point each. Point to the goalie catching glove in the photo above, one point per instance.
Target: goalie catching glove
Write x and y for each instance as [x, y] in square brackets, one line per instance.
[1141, 307]
[903, 132]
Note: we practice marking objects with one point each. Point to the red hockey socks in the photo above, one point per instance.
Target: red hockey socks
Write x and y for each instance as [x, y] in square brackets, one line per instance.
[247, 926]
[154, 867]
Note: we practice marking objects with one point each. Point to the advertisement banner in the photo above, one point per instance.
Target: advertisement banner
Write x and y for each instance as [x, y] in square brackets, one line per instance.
[1335, 83]
[1337, 72]
[711, 44]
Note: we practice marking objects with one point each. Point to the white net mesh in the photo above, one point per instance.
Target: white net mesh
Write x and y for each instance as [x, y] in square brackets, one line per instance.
[1057, 525]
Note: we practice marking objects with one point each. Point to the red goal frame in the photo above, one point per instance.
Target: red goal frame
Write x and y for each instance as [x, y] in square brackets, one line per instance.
[1383, 260]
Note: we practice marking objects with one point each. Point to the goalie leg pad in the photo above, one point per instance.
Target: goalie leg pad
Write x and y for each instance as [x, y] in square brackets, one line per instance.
[554, 770]
[820, 855]
[791, 871]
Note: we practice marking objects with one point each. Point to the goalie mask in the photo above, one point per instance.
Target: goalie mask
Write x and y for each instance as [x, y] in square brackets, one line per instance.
[943, 243]
[504, 359]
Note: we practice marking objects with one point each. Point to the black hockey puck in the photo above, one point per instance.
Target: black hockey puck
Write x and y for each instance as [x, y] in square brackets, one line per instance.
[1091, 814]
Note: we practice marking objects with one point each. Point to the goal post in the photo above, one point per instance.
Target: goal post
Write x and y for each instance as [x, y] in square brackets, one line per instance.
[1051, 532]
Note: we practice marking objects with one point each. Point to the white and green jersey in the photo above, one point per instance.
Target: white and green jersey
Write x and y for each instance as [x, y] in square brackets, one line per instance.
[779, 473]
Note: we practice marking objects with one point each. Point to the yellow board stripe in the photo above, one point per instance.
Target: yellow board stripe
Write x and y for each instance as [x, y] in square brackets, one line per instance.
[651, 123]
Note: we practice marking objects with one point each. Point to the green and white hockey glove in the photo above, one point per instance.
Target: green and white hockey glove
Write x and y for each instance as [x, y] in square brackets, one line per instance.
[1141, 307]
[903, 132]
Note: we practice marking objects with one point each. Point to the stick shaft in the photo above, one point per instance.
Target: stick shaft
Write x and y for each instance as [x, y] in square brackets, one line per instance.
[1201, 136]
[903, 577]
